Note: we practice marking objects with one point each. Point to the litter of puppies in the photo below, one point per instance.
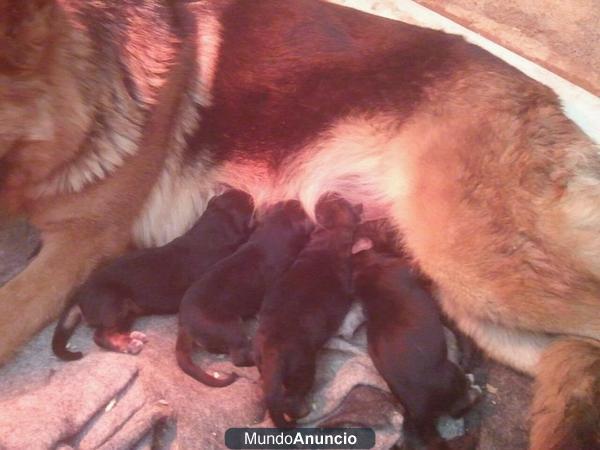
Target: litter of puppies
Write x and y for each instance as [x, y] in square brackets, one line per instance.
[299, 279]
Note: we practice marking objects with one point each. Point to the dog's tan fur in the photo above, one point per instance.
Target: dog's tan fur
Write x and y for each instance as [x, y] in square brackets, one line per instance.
[79, 227]
[510, 235]
[569, 362]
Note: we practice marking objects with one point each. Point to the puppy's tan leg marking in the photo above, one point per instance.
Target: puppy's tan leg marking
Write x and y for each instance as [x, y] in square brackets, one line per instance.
[118, 341]
[139, 336]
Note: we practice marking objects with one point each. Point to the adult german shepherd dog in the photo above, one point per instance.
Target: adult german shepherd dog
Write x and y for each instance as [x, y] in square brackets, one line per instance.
[120, 119]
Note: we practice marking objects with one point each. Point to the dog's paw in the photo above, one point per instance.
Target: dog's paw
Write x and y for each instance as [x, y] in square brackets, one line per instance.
[135, 346]
[139, 336]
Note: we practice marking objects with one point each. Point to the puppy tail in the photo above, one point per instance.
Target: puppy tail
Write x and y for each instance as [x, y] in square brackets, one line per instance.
[65, 328]
[183, 350]
[566, 405]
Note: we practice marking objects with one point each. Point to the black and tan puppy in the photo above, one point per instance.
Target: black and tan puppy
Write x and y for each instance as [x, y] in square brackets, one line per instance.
[213, 308]
[407, 343]
[153, 281]
[304, 309]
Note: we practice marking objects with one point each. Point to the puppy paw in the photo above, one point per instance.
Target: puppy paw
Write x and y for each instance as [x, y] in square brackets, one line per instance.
[139, 336]
[475, 392]
[471, 396]
[135, 346]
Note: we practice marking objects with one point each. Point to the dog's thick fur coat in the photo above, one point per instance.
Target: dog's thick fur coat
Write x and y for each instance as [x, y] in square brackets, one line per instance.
[117, 119]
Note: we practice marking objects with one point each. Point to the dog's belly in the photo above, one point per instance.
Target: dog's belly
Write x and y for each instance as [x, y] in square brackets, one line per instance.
[364, 159]
[361, 158]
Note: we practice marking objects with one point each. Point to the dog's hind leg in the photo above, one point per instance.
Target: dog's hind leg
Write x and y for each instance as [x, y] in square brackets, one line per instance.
[566, 405]
[183, 353]
[240, 347]
[242, 356]
[119, 338]
[37, 295]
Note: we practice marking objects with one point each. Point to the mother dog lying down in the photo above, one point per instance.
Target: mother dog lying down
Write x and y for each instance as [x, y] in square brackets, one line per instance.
[118, 120]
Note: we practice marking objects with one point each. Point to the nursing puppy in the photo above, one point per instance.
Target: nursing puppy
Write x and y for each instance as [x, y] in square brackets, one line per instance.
[304, 309]
[407, 344]
[153, 281]
[213, 308]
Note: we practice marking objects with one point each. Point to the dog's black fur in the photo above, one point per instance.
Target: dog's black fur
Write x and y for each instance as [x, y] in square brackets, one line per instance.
[304, 309]
[407, 343]
[153, 281]
[213, 308]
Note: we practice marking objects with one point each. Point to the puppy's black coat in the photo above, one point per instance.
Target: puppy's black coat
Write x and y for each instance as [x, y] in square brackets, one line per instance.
[407, 343]
[153, 281]
[304, 309]
[213, 308]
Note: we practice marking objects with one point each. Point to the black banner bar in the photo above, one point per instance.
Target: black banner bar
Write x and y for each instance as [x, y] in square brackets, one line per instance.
[300, 438]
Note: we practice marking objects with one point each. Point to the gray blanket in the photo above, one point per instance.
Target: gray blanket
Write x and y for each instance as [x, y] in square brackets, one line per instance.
[108, 400]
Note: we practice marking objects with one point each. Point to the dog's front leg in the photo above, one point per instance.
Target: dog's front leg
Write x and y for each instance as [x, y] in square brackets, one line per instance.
[35, 297]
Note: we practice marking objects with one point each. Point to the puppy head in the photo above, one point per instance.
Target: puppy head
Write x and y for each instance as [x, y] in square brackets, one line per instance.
[291, 216]
[365, 259]
[333, 211]
[366, 267]
[236, 205]
[298, 381]
[288, 376]
[371, 268]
